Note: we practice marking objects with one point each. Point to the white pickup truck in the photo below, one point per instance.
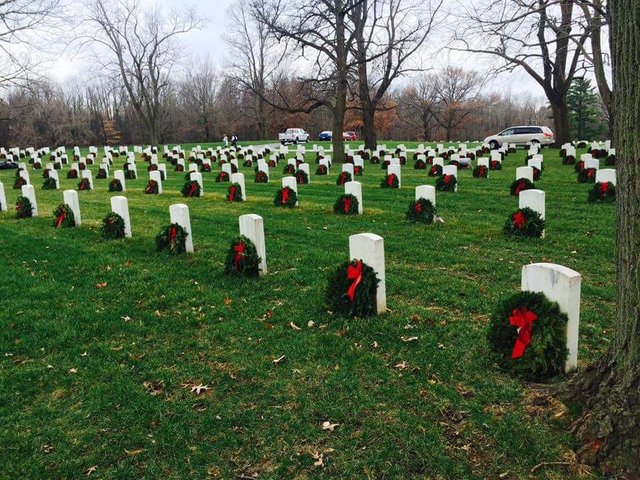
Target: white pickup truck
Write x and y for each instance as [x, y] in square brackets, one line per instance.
[293, 135]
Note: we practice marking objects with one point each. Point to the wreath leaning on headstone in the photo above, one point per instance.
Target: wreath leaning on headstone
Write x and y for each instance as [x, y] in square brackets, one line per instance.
[519, 185]
[603, 192]
[435, 170]
[152, 188]
[343, 178]
[480, 171]
[191, 188]
[524, 222]
[352, 289]
[301, 177]
[495, 165]
[112, 226]
[234, 193]
[528, 333]
[261, 177]
[242, 258]
[84, 184]
[321, 170]
[587, 175]
[421, 210]
[24, 208]
[222, 177]
[346, 204]
[390, 181]
[446, 183]
[172, 238]
[63, 217]
[286, 197]
[49, 184]
[420, 165]
[115, 185]
[19, 183]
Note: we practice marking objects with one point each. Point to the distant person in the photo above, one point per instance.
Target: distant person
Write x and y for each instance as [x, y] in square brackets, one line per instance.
[234, 141]
[225, 140]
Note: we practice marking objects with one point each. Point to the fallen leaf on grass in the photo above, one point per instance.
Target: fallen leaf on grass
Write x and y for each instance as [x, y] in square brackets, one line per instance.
[91, 470]
[228, 301]
[375, 345]
[329, 426]
[408, 339]
[73, 370]
[154, 388]
[401, 366]
[279, 360]
[101, 285]
[294, 326]
[133, 453]
[199, 388]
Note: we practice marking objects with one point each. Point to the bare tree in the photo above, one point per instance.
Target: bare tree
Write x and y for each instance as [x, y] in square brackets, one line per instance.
[388, 33]
[199, 93]
[544, 37]
[417, 103]
[141, 47]
[254, 57]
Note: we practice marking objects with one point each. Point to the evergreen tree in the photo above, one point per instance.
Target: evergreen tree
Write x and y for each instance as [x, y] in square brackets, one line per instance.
[586, 115]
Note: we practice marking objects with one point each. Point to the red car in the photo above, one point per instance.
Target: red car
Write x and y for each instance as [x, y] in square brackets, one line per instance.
[350, 136]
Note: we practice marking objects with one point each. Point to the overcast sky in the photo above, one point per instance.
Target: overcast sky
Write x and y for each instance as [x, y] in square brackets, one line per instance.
[208, 41]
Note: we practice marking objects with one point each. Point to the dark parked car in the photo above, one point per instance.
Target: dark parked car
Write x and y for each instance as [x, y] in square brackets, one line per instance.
[325, 136]
[8, 165]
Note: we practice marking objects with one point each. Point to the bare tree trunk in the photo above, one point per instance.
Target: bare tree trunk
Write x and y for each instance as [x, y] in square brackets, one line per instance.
[562, 129]
[369, 130]
[609, 390]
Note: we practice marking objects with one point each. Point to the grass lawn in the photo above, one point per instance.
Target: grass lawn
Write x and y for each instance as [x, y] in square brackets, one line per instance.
[97, 381]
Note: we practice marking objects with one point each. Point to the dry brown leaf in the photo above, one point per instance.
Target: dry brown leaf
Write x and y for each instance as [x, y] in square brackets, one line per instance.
[279, 360]
[227, 301]
[199, 389]
[294, 326]
[408, 339]
[329, 426]
[375, 345]
[73, 370]
[101, 285]
[91, 470]
[133, 453]
[401, 366]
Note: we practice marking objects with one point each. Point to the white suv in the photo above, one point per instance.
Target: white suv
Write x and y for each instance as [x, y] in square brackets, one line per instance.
[293, 135]
[524, 135]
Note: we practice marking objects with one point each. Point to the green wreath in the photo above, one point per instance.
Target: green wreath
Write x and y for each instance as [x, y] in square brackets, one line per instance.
[247, 163]
[130, 174]
[115, 185]
[346, 204]
[579, 166]
[112, 226]
[63, 217]
[19, 183]
[446, 183]
[242, 258]
[72, 174]
[322, 170]
[285, 197]
[261, 177]
[179, 168]
[537, 174]
[152, 188]
[343, 178]
[569, 160]
[610, 160]
[588, 175]
[84, 185]
[519, 185]
[352, 289]
[301, 177]
[603, 192]
[524, 222]
[234, 193]
[222, 177]
[529, 321]
[38, 165]
[45, 173]
[102, 173]
[289, 169]
[390, 181]
[420, 165]
[191, 188]
[495, 165]
[374, 160]
[358, 170]
[421, 210]
[24, 208]
[49, 184]
[172, 238]
[480, 171]
[205, 167]
[435, 170]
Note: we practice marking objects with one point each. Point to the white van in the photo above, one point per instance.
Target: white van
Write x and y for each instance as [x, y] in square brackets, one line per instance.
[523, 135]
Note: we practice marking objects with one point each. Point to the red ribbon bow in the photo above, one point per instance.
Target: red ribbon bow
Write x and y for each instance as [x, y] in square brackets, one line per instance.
[520, 187]
[519, 220]
[193, 189]
[522, 318]
[591, 173]
[354, 273]
[232, 194]
[447, 179]
[172, 234]
[390, 179]
[347, 205]
[60, 219]
[285, 195]
[418, 208]
[239, 249]
[604, 188]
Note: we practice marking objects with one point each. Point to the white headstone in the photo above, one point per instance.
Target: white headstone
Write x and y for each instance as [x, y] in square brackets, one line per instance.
[483, 162]
[155, 176]
[179, 214]
[252, 227]
[325, 162]
[120, 205]
[29, 192]
[533, 199]
[348, 167]
[560, 284]
[305, 168]
[197, 177]
[292, 183]
[396, 170]
[89, 176]
[428, 192]
[524, 172]
[3, 199]
[369, 248]
[534, 162]
[239, 179]
[451, 170]
[606, 175]
[71, 198]
[226, 167]
[438, 161]
[119, 175]
[24, 174]
[54, 174]
[592, 163]
[355, 189]
[193, 167]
